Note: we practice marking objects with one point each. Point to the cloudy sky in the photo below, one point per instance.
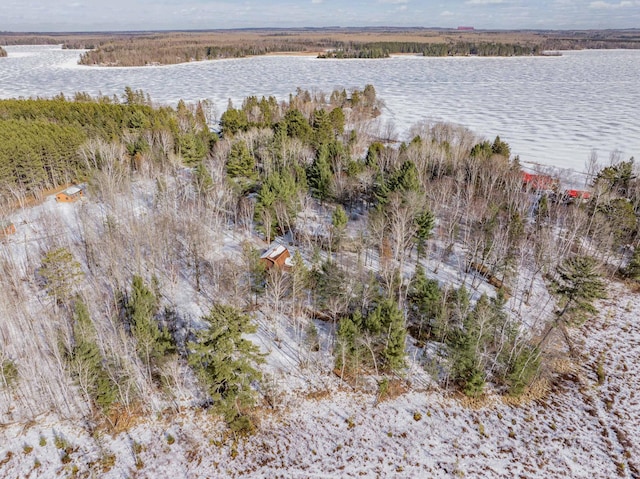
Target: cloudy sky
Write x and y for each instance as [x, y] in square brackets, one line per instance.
[91, 15]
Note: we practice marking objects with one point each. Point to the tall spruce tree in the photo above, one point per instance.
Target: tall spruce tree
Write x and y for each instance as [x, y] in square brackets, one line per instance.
[425, 222]
[152, 342]
[86, 362]
[424, 303]
[578, 284]
[225, 363]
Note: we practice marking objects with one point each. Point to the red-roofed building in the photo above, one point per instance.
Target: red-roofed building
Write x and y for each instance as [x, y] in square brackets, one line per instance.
[531, 181]
[574, 195]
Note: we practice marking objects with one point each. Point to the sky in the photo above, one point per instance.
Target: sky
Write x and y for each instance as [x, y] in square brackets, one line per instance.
[101, 15]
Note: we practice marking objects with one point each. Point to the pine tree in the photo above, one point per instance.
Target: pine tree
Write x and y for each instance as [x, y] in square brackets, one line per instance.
[396, 333]
[373, 154]
[297, 126]
[241, 162]
[320, 174]
[522, 369]
[322, 128]
[578, 283]
[424, 301]
[465, 346]
[386, 323]
[336, 117]
[86, 362]
[202, 180]
[339, 221]
[232, 121]
[225, 363]
[425, 223]
[62, 274]
[501, 148]
[348, 345]
[152, 342]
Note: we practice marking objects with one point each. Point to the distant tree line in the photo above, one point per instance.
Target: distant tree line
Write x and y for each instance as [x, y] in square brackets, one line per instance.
[488, 49]
[384, 49]
[139, 49]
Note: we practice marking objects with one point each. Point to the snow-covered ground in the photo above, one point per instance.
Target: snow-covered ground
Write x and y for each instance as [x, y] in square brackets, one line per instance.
[580, 428]
[582, 423]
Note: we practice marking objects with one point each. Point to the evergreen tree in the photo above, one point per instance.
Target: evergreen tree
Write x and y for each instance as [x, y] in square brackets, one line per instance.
[322, 128]
[241, 162]
[320, 175]
[404, 180]
[297, 126]
[225, 363]
[278, 194]
[192, 148]
[232, 121]
[501, 148]
[396, 333]
[202, 180]
[373, 153]
[86, 362]
[152, 342]
[339, 221]
[425, 222]
[369, 94]
[384, 332]
[61, 273]
[522, 369]
[465, 346]
[349, 348]
[424, 302]
[578, 283]
[616, 178]
[336, 117]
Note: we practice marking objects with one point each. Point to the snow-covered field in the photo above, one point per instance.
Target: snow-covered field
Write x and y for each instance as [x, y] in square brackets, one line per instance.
[582, 424]
[552, 110]
[580, 429]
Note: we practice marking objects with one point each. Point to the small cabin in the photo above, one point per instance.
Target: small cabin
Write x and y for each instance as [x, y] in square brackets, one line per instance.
[7, 229]
[576, 195]
[277, 255]
[71, 194]
[535, 182]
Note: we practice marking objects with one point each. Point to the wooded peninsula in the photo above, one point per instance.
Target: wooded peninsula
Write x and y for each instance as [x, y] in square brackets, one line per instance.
[162, 48]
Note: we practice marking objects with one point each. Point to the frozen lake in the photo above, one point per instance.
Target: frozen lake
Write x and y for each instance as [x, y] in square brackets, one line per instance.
[551, 110]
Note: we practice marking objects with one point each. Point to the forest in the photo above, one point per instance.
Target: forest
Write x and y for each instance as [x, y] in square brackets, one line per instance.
[419, 262]
[153, 48]
[459, 48]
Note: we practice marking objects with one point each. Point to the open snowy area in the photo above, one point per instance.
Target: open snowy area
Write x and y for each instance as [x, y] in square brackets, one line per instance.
[553, 111]
[580, 422]
[582, 427]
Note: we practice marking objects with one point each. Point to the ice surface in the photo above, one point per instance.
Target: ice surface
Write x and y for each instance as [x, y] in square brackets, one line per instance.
[551, 110]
